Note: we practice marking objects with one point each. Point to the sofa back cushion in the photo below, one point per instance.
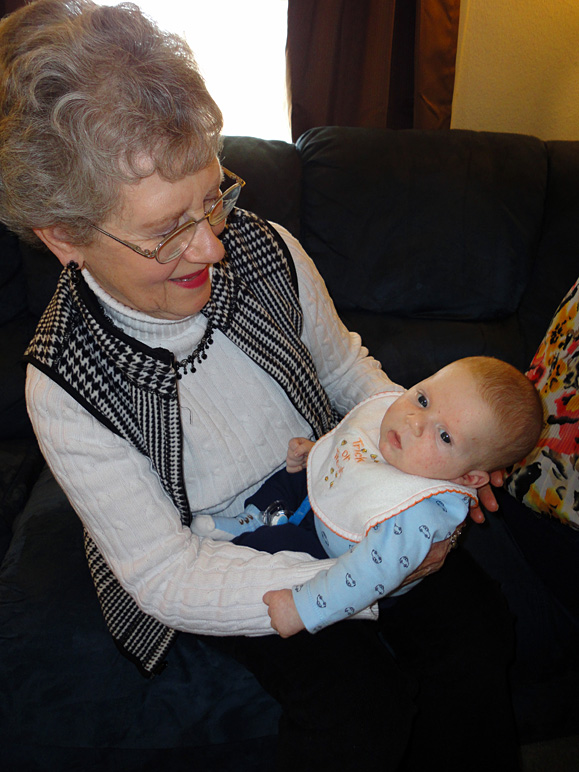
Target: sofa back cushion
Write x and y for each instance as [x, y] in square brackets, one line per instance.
[556, 267]
[272, 171]
[16, 329]
[425, 224]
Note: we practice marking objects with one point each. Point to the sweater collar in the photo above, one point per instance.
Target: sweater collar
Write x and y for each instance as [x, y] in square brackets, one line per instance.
[148, 329]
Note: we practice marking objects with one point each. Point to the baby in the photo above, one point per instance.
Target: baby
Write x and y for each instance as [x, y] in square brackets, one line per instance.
[397, 474]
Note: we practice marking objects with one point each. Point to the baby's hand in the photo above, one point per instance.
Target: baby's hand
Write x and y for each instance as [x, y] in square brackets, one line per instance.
[283, 612]
[297, 454]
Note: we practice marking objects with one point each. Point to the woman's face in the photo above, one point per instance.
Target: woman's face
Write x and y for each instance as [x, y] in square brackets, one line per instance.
[151, 209]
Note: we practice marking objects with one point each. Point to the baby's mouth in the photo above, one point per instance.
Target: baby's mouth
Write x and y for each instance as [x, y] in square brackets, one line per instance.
[394, 439]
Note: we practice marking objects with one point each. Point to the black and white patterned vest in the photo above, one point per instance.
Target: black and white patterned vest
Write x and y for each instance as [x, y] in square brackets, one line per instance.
[132, 388]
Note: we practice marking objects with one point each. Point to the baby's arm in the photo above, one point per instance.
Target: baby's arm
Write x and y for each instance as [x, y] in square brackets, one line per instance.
[297, 454]
[378, 565]
[329, 599]
[283, 612]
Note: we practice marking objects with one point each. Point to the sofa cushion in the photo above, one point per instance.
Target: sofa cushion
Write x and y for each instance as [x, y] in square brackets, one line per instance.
[413, 349]
[16, 329]
[272, 171]
[433, 224]
[14, 337]
[70, 687]
[13, 301]
[41, 269]
[556, 266]
[20, 465]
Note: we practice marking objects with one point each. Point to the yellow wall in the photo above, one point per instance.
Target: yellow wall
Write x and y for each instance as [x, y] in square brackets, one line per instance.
[517, 67]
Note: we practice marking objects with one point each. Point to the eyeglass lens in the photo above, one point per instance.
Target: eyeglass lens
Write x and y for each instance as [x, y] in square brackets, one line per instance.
[175, 247]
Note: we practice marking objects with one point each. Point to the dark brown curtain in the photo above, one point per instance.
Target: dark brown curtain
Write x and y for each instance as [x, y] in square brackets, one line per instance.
[7, 6]
[375, 63]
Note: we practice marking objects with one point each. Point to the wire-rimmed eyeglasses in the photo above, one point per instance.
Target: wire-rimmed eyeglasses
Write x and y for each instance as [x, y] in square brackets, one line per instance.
[178, 241]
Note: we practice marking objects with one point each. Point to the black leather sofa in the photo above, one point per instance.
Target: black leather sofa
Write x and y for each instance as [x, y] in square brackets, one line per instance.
[434, 245]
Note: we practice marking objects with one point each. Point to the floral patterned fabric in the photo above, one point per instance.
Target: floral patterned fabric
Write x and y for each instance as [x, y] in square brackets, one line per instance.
[547, 480]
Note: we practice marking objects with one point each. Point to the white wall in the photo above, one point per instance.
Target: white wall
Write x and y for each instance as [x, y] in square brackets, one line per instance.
[517, 67]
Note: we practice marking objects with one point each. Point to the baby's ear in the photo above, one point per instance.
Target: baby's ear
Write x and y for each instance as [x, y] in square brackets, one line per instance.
[474, 479]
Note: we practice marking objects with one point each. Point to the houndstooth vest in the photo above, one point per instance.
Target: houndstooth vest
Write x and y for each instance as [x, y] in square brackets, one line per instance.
[132, 389]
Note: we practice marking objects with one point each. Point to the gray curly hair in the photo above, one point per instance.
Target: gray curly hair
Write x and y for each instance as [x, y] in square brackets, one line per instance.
[92, 98]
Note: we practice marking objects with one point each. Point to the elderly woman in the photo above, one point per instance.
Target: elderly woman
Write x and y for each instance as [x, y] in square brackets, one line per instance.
[170, 347]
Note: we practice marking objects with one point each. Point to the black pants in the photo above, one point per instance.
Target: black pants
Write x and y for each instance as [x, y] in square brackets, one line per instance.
[425, 686]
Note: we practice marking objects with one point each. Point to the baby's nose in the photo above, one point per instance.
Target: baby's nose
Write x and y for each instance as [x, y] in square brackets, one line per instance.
[416, 424]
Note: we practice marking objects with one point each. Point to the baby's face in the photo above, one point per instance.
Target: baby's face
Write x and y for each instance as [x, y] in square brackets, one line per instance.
[439, 427]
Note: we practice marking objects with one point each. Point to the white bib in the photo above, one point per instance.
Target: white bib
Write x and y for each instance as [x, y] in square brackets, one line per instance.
[351, 487]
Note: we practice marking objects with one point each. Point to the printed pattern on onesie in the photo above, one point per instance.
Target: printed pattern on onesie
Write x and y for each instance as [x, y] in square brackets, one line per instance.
[375, 567]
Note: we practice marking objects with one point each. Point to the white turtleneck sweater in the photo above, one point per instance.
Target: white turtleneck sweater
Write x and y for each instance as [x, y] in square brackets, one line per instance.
[237, 422]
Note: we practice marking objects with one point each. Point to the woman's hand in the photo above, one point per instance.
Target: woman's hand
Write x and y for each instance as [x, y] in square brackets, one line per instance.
[435, 558]
[439, 550]
[298, 450]
[487, 497]
[283, 612]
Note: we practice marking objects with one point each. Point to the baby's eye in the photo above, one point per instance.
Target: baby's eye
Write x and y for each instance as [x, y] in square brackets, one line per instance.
[445, 437]
[422, 401]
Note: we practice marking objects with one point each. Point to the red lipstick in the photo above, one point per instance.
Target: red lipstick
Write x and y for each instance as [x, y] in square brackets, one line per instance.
[192, 280]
